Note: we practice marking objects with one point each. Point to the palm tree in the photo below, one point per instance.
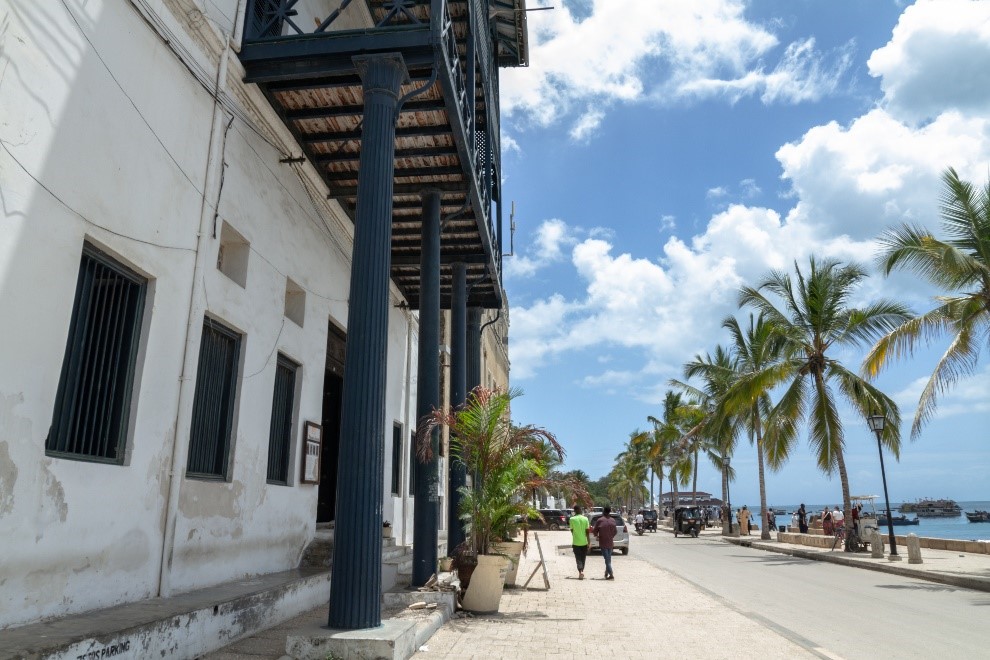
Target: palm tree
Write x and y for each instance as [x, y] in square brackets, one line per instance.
[815, 316]
[757, 348]
[627, 476]
[960, 265]
[718, 372]
[663, 447]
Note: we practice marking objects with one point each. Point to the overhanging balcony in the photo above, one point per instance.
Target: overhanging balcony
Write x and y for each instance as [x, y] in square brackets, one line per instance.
[452, 50]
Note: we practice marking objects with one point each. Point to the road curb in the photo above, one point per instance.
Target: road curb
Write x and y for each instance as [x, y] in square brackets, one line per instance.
[967, 582]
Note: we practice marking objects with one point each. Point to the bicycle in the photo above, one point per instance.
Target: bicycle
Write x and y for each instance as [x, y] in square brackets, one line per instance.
[840, 535]
[851, 541]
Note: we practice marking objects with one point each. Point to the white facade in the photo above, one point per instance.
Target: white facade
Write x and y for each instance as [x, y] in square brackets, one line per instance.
[115, 133]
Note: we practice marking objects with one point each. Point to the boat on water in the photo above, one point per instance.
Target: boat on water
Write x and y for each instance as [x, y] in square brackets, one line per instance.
[978, 516]
[929, 508]
[897, 520]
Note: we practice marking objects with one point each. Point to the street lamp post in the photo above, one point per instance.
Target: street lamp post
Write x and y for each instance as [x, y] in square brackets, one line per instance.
[728, 496]
[877, 423]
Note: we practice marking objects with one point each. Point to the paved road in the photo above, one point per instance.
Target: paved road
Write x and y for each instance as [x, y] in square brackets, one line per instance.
[815, 603]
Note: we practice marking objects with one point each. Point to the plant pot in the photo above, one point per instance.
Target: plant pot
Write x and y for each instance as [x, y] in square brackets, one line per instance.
[513, 550]
[485, 589]
[465, 569]
[386, 532]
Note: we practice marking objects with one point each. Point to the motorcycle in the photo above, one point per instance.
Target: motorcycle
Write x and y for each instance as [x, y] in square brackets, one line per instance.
[640, 528]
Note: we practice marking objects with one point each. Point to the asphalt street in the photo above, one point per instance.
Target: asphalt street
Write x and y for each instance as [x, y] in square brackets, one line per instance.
[835, 611]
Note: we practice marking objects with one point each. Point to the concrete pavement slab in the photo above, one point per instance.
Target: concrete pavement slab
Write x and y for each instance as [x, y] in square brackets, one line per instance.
[588, 617]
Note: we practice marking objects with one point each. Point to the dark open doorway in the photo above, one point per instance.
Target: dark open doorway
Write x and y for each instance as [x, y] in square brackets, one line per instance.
[333, 385]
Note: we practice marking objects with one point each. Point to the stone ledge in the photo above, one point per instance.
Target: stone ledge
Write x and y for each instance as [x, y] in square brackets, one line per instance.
[819, 541]
[395, 639]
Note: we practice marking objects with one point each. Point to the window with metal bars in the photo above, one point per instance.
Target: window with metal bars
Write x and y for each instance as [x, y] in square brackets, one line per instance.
[93, 400]
[213, 404]
[280, 433]
[412, 465]
[396, 458]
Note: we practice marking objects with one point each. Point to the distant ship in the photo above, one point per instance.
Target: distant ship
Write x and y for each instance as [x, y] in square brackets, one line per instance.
[928, 508]
[897, 520]
[978, 516]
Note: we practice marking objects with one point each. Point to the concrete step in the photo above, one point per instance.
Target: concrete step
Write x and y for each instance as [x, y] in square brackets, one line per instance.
[183, 626]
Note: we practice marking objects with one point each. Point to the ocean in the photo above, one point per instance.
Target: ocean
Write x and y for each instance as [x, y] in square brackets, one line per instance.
[940, 528]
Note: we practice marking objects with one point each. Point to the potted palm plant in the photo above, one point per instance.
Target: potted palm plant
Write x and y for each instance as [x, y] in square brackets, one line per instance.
[501, 458]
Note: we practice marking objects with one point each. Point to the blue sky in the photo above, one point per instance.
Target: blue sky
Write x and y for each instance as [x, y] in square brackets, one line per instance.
[662, 153]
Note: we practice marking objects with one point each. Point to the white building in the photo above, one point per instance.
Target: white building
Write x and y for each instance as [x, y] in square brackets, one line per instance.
[173, 311]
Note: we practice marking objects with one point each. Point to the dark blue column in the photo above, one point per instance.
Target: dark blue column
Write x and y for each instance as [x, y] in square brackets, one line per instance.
[458, 394]
[426, 509]
[473, 347]
[355, 587]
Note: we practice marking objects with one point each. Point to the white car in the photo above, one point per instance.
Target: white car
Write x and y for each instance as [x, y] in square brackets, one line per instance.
[621, 541]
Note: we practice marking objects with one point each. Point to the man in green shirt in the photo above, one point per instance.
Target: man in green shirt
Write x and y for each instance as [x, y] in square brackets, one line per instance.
[580, 537]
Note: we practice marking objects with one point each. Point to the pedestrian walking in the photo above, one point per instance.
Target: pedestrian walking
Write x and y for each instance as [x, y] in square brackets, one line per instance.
[744, 520]
[803, 520]
[605, 531]
[580, 538]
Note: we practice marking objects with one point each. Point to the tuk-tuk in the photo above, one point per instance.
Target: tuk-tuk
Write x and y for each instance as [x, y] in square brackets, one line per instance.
[688, 520]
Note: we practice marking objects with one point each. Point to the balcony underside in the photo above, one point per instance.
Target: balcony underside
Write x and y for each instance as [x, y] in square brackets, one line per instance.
[312, 82]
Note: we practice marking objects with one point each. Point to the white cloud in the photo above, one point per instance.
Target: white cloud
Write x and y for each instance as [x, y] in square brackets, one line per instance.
[510, 144]
[587, 124]
[859, 179]
[749, 188]
[662, 51]
[719, 191]
[551, 235]
[803, 74]
[664, 308]
[938, 59]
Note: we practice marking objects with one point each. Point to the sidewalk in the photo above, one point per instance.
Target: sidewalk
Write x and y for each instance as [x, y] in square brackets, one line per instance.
[590, 618]
[959, 569]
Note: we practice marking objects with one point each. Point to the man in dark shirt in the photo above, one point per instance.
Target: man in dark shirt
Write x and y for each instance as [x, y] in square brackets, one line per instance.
[605, 530]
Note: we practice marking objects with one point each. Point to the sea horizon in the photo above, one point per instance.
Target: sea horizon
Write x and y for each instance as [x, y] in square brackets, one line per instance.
[958, 528]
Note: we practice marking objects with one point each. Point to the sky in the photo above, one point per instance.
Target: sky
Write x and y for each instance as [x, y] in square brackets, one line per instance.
[662, 153]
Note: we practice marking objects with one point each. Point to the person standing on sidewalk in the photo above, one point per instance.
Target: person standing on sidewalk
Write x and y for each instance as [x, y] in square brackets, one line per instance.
[606, 530]
[580, 538]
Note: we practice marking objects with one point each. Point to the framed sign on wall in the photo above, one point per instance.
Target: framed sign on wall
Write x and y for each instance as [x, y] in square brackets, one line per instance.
[312, 443]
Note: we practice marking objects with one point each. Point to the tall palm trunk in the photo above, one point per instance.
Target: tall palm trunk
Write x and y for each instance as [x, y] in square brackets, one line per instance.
[653, 473]
[726, 513]
[846, 502]
[764, 527]
[660, 481]
[673, 488]
[694, 485]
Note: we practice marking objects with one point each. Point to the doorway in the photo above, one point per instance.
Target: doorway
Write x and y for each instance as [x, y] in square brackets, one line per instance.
[333, 386]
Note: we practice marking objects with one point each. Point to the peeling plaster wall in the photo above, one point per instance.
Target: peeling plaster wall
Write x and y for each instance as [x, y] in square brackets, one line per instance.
[100, 112]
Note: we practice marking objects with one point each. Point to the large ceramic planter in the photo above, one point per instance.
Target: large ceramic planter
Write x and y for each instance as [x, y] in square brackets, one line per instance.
[512, 550]
[485, 590]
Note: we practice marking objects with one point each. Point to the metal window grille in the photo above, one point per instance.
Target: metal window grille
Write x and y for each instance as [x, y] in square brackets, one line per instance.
[280, 433]
[213, 405]
[263, 20]
[93, 401]
[396, 458]
[412, 465]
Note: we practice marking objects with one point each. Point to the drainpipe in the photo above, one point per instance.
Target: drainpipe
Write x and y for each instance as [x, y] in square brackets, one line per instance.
[190, 351]
[403, 487]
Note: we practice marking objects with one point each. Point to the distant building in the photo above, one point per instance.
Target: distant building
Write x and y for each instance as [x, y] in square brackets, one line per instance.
[687, 497]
